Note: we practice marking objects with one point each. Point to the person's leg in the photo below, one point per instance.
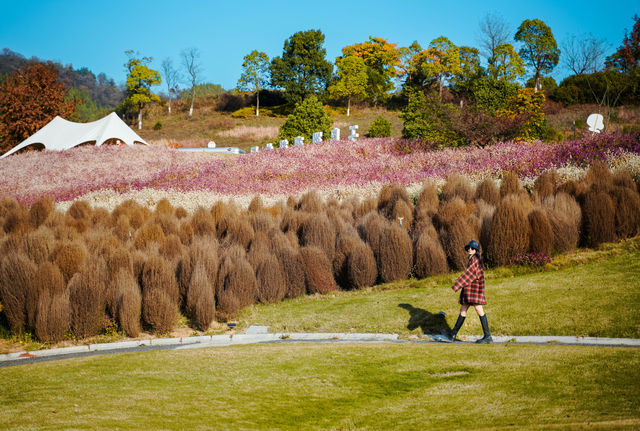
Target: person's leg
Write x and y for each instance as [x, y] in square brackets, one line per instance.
[459, 322]
[485, 326]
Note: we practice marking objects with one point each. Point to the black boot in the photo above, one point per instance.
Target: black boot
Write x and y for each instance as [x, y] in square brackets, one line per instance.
[485, 328]
[456, 328]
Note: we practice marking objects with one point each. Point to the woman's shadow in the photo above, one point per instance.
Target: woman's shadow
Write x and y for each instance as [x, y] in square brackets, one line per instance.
[430, 323]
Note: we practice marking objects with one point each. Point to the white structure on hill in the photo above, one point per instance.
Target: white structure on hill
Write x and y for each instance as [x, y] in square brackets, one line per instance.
[60, 134]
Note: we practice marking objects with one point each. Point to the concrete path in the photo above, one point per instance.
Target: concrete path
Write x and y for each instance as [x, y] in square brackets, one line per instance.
[260, 334]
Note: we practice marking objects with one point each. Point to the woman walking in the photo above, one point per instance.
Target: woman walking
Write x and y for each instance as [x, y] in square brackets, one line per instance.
[472, 284]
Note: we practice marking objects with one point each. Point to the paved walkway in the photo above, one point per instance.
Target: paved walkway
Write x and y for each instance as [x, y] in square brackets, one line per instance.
[260, 334]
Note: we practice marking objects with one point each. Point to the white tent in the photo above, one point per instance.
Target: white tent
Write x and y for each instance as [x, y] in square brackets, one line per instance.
[60, 134]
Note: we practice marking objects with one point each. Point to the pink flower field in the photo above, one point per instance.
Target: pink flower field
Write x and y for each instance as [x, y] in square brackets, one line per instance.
[326, 166]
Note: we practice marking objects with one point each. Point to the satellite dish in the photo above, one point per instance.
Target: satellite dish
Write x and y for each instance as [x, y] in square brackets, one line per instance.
[595, 123]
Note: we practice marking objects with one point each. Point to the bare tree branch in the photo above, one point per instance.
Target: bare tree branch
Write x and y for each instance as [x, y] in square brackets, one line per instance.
[494, 31]
[583, 54]
[191, 63]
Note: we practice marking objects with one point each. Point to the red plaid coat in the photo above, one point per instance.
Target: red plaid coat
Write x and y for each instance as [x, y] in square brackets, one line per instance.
[472, 284]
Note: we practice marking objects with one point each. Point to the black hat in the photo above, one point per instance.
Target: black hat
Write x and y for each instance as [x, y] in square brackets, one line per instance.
[474, 245]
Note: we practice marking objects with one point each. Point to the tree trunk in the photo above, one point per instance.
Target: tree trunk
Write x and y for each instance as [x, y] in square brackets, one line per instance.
[169, 104]
[193, 96]
[538, 82]
[348, 105]
[440, 85]
[140, 119]
[258, 103]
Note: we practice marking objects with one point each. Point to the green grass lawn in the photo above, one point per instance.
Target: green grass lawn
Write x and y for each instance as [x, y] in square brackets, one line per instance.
[330, 386]
[593, 293]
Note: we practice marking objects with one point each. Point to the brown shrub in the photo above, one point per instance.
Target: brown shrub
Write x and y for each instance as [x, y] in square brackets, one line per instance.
[201, 298]
[164, 207]
[80, 225]
[340, 219]
[261, 222]
[129, 303]
[80, 210]
[171, 248]
[318, 274]
[275, 211]
[40, 210]
[271, 282]
[55, 219]
[147, 234]
[428, 201]
[371, 228]
[291, 220]
[430, 258]
[205, 250]
[167, 222]
[186, 232]
[16, 285]
[573, 188]
[541, 233]
[365, 207]
[159, 295]
[545, 184]
[488, 192]
[239, 231]
[256, 205]
[138, 216]
[623, 178]
[402, 214]
[394, 202]
[17, 220]
[203, 223]
[53, 316]
[87, 291]
[39, 244]
[236, 287]
[484, 212]
[138, 258]
[509, 232]
[457, 185]
[70, 257]
[123, 230]
[180, 213]
[100, 218]
[626, 202]
[599, 175]
[293, 239]
[317, 231]
[8, 204]
[396, 254]
[456, 228]
[509, 184]
[598, 218]
[565, 216]
[292, 265]
[310, 202]
[345, 243]
[361, 266]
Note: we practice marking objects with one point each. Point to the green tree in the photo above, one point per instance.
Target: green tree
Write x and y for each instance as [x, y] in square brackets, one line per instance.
[308, 117]
[302, 69]
[382, 59]
[469, 73]
[352, 79]
[428, 118]
[506, 64]
[627, 57]
[140, 78]
[86, 108]
[539, 49]
[490, 94]
[441, 60]
[255, 74]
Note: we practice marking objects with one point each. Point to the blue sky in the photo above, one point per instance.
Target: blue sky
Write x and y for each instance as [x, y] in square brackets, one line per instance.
[96, 34]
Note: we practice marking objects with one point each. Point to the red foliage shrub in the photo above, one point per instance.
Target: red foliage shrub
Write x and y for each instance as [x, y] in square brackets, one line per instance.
[428, 201]
[396, 254]
[510, 232]
[456, 228]
[129, 302]
[541, 233]
[318, 274]
[236, 287]
[159, 295]
[53, 309]
[70, 257]
[509, 184]
[292, 265]
[430, 258]
[626, 202]
[317, 231]
[598, 218]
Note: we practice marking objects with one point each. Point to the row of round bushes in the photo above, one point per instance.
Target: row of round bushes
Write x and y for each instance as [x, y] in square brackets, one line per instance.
[61, 272]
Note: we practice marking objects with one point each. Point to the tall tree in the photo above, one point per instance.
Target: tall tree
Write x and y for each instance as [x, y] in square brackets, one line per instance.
[139, 81]
[440, 60]
[255, 74]
[352, 79]
[539, 49]
[383, 60]
[171, 78]
[584, 54]
[303, 68]
[30, 97]
[469, 73]
[627, 57]
[506, 64]
[494, 31]
[191, 64]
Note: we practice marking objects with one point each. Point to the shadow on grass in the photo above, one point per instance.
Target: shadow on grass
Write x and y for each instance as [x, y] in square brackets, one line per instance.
[430, 323]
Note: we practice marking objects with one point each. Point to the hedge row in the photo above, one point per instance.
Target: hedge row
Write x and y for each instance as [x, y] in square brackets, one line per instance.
[62, 272]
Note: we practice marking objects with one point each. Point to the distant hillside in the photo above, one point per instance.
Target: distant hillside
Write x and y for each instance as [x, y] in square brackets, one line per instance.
[101, 89]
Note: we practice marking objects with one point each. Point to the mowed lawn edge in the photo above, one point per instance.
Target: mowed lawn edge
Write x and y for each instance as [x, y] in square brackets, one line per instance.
[330, 386]
[591, 293]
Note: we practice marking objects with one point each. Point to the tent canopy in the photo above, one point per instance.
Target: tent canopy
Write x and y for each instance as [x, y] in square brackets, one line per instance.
[60, 134]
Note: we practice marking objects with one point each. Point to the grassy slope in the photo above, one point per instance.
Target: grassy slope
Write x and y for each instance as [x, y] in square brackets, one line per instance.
[330, 386]
[584, 299]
